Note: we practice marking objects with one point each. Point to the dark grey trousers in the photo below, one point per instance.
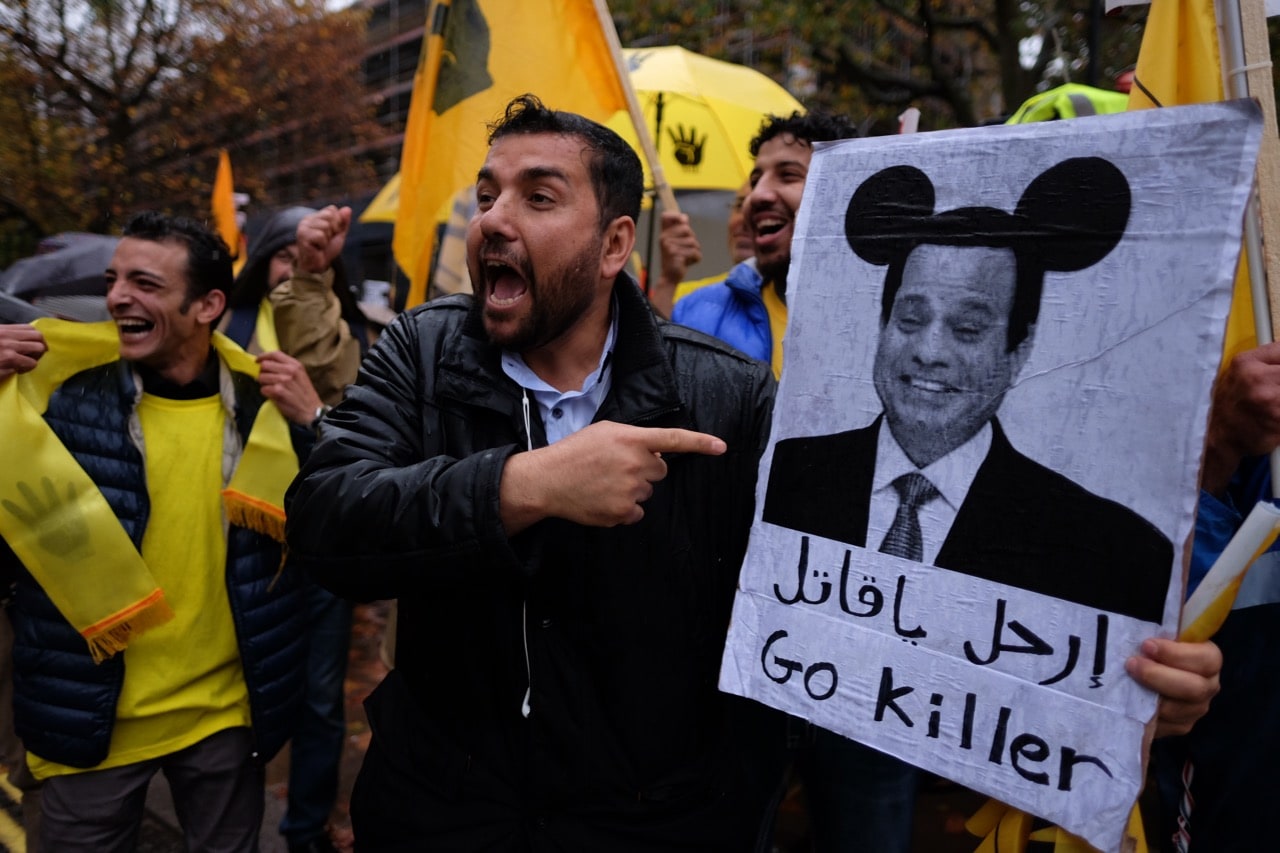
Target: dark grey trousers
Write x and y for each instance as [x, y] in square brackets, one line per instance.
[217, 787]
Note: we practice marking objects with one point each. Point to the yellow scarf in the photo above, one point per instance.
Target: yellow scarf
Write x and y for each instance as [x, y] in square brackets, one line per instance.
[264, 328]
[60, 526]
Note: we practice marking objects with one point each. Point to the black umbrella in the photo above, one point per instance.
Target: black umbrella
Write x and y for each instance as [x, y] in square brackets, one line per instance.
[13, 310]
[76, 269]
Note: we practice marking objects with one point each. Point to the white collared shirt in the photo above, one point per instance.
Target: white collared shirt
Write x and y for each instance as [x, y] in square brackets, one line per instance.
[565, 413]
[952, 475]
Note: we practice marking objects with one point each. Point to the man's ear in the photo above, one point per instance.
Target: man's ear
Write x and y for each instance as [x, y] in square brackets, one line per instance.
[619, 240]
[1022, 352]
[209, 307]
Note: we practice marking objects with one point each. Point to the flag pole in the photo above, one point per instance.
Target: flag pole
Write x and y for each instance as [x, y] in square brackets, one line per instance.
[1236, 69]
[660, 185]
[1237, 86]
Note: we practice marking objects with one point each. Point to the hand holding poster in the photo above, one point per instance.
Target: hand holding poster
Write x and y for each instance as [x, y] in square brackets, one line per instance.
[986, 445]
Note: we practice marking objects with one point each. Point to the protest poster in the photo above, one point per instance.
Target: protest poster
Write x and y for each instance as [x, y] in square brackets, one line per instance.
[983, 470]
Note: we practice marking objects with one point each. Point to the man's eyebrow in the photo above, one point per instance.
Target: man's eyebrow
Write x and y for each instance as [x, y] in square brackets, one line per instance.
[134, 274]
[978, 306]
[534, 173]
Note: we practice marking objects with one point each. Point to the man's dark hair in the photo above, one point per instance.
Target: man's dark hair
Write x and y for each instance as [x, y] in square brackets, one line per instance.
[1069, 218]
[208, 258]
[807, 127]
[616, 175]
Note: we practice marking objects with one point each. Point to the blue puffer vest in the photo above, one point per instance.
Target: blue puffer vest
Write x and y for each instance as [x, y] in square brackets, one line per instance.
[732, 310]
[64, 704]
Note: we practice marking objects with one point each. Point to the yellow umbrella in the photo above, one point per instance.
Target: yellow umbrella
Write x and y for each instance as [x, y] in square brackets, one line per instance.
[710, 110]
[702, 113]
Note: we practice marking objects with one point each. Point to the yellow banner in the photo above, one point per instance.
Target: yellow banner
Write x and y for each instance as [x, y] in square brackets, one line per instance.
[1179, 63]
[63, 530]
[476, 57]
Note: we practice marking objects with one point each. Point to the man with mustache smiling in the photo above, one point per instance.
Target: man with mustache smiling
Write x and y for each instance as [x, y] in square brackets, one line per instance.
[748, 309]
[558, 490]
[857, 798]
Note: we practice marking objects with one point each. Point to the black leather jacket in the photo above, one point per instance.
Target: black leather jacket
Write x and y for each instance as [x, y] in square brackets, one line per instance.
[618, 631]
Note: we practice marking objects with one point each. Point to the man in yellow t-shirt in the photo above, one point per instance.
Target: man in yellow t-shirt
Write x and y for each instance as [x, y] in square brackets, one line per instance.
[200, 679]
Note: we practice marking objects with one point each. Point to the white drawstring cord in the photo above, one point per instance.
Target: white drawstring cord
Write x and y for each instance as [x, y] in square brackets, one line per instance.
[525, 707]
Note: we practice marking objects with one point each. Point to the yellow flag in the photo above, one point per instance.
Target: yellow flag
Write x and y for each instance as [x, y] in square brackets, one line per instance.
[1180, 63]
[224, 208]
[477, 56]
[386, 204]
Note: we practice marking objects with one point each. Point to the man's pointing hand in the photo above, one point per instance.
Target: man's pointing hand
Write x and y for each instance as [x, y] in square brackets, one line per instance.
[600, 476]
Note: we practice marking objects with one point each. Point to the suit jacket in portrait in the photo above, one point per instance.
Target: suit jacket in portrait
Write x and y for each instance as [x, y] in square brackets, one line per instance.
[1021, 523]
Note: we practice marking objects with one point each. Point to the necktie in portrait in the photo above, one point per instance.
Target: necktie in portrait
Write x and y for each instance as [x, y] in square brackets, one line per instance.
[904, 538]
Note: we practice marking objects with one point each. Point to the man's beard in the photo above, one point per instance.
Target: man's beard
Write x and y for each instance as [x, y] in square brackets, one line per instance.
[556, 302]
[776, 272]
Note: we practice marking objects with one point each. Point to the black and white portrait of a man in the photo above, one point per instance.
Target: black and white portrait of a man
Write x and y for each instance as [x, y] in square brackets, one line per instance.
[934, 478]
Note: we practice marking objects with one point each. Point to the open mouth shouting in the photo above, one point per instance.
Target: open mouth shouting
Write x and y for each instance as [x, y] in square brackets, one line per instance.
[133, 328]
[505, 284]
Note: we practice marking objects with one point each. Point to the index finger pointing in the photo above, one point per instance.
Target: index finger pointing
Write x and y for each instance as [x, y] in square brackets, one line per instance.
[683, 441]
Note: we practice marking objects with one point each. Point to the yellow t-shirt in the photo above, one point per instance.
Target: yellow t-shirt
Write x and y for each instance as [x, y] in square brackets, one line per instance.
[183, 680]
[777, 324]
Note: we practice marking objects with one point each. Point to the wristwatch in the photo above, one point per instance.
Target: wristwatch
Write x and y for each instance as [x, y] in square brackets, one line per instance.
[321, 411]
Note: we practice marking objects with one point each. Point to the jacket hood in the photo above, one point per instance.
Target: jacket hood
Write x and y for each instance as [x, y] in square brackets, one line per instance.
[745, 277]
[279, 231]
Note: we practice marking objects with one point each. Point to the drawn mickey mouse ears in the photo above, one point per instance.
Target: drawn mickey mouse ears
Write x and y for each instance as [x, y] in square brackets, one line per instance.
[1069, 218]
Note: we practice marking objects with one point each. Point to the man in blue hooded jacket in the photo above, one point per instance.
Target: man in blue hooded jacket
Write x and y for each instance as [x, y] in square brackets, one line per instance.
[748, 310]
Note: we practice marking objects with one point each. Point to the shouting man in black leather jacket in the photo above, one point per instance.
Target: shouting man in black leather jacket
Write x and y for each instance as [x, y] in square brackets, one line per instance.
[558, 489]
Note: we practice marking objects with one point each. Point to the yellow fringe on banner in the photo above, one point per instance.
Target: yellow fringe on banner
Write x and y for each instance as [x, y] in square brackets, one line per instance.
[114, 634]
[255, 496]
[257, 515]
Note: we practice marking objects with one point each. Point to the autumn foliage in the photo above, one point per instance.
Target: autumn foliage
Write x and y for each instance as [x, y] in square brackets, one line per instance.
[108, 106]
